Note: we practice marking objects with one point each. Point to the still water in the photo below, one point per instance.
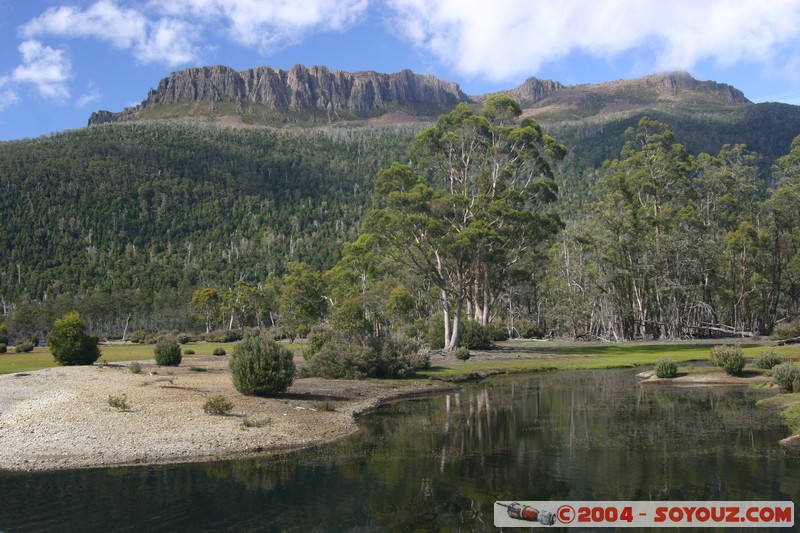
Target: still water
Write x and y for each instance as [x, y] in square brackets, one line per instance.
[439, 464]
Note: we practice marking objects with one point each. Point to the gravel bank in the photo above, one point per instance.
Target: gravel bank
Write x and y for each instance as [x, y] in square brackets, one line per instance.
[60, 418]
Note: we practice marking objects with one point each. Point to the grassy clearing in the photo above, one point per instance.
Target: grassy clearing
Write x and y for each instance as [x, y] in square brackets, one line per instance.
[530, 356]
[518, 356]
[39, 358]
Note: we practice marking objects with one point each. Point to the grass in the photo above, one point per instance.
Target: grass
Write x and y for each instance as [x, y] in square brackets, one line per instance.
[583, 356]
[574, 356]
[11, 363]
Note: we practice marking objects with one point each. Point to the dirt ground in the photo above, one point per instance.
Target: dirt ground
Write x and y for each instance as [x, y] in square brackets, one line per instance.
[60, 418]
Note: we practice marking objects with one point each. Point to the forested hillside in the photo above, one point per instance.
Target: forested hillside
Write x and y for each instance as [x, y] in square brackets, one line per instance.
[145, 213]
[160, 225]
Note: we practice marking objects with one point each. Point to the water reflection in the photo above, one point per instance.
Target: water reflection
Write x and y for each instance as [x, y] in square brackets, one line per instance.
[440, 463]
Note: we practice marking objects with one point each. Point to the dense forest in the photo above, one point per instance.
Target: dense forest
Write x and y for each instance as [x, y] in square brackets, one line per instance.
[478, 224]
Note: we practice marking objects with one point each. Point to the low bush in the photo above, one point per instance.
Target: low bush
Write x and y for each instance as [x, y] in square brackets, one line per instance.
[167, 352]
[224, 335]
[3, 348]
[475, 336]
[23, 347]
[135, 368]
[666, 368]
[786, 374]
[260, 366]
[188, 352]
[787, 330]
[767, 358]
[118, 402]
[184, 338]
[219, 351]
[462, 354]
[217, 405]
[729, 357]
[70, 343]
[346, 357]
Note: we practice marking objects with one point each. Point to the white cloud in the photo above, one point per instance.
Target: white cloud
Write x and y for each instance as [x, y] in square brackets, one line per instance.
[92, 95]
[505, 38]
[8, 97]
[169, 42]
[45, 68]
[166, 41]
[268, 24]
[103, 20]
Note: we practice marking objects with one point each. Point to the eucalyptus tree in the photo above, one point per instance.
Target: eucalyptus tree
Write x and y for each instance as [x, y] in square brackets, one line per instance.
[470, 214]
[648, 233]
[784, 213]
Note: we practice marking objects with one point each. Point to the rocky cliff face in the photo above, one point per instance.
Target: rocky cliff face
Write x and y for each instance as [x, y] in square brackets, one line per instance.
[301, 89]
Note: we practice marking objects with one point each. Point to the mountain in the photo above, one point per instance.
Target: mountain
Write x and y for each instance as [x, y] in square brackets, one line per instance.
[318, 95]
[265, 95]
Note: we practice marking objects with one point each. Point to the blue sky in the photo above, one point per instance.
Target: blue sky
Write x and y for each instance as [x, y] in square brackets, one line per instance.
[60, 60]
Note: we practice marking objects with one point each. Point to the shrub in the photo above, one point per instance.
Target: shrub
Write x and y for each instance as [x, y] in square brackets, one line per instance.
[345, 357]
[767, 359]
[167, 352]
[787, 330]
[70, 344]
[3, 348]
[184, 338]
[118, 403]
[475, 336]
[217, 405]
[462, 354]
[729, 357]
[219, 351]
[260, 366]
[785, 375]
[224, 335]
[188, 352]
[434, 337]
[23, 347]
[666, 368]
[135, 368]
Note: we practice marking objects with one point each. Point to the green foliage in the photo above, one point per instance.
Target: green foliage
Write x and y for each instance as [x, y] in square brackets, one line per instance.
[260, 366]
[135, 367]
[3, 348]
[434, 336]
[476, 336]
[224, 335]
[786, 374]
[231, 201]
[217, 405]
[729, 357]
[787, 330]
[346, 357]
[184, 338]
[767, 358]
[219, 351]
[167, 352]
[188, 352]
[666, 368]
[462, 354]
[118, 402]
[23, 347]
[69, 342]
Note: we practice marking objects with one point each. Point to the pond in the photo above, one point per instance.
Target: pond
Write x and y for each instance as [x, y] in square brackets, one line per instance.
[440, 463]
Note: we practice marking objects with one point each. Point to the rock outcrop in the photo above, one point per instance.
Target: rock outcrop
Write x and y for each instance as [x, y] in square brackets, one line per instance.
[300, 89]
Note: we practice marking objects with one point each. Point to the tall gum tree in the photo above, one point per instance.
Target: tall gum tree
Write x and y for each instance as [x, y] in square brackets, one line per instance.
[473, 210]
